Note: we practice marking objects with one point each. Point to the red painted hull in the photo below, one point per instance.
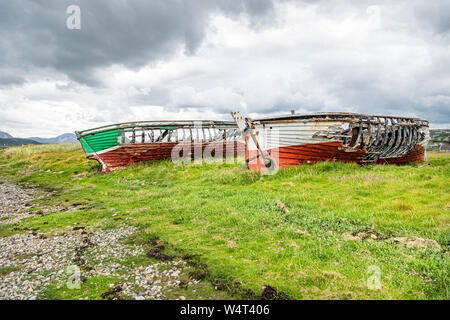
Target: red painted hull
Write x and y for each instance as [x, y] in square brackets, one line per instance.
[327, 151]
[134, 153]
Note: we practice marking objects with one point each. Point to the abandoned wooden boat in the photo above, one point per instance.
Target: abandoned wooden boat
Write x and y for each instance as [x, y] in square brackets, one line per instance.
[289, 140]
[119, 145]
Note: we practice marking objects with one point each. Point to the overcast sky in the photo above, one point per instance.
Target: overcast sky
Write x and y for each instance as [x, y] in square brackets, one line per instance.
[201, 59]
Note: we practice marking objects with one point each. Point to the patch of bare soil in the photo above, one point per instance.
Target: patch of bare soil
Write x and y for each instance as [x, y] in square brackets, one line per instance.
[154, 241]
[415, 242]
[79, 176]
[270, 293]
[366, 234]
[409, 242]
[302, 233]
[86, 243]
[282, 206]
[199, 274]
[157, 254]
[113, 294]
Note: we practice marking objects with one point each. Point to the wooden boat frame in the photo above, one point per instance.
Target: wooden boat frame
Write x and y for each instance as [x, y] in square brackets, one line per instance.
[348, 137]
[118, 145]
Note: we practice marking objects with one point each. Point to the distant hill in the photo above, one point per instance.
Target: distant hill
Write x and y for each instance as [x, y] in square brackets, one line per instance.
[5, 135]
[64, 138]
[7, 140]
[10, 142]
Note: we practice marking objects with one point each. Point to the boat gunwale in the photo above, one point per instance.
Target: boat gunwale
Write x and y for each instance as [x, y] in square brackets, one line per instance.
[331, 116]
[155, 124]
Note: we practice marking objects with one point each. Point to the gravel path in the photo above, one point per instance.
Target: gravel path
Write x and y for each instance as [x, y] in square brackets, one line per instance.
[31, 262]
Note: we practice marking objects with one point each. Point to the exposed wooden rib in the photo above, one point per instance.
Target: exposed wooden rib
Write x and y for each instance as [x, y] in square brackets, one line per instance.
[293, 139]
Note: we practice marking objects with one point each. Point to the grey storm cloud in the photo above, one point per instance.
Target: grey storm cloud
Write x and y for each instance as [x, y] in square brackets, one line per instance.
[326, 64]
[434, 15]
[131, 33]
[33, 33]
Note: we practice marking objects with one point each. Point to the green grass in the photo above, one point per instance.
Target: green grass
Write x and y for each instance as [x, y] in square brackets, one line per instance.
[7, 270]
[92, 289]
[231, 220]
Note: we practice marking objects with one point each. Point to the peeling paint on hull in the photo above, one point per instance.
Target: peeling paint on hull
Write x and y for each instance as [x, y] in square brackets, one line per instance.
[285, 141]
[119, 145]
[123, 156]
[326, 151]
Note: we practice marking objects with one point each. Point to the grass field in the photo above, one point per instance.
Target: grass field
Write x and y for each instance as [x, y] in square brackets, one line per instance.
[312, 232]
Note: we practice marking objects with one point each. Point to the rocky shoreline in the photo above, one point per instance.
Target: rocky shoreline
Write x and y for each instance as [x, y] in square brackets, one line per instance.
[14, 201]
[29, 263]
